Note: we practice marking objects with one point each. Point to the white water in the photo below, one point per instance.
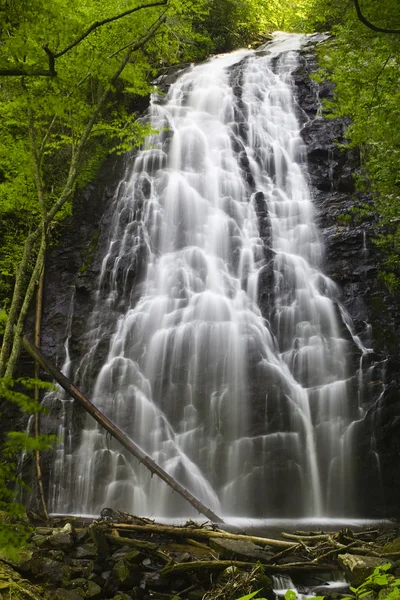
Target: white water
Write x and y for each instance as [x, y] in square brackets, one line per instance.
[253, 416]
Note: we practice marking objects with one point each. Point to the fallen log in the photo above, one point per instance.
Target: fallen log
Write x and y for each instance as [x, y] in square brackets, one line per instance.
[215, 565]
[115, 432]
[201, 533]
[140, 545]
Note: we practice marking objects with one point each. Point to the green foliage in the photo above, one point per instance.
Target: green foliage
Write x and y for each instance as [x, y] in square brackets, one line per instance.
[249, 596]
[43, 120]
[379, 579]
[14, 528]
[364, 67]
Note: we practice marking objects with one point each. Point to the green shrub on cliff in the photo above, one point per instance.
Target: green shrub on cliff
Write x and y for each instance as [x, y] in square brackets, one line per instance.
[364, 66]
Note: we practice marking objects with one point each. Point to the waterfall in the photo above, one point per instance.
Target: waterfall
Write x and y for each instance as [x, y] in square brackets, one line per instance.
[224, 355]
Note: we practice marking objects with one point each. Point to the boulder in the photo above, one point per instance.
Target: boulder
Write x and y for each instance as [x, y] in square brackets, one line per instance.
[125, 574]
[358, 568]
[62, 539]
[62, 594]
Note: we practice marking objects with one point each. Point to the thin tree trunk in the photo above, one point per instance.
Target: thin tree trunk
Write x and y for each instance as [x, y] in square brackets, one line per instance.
[30, 290]
[19, 295]
[116, 433]
[38, 326]
[17, 300]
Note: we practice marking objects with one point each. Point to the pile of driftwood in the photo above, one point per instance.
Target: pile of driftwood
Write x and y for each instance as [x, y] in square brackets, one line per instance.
[301, 550]
[122, 557]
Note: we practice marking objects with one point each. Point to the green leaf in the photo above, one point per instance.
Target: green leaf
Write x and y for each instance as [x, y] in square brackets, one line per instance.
[249, 596]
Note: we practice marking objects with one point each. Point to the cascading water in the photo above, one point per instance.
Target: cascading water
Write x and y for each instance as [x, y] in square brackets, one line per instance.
[250, 409]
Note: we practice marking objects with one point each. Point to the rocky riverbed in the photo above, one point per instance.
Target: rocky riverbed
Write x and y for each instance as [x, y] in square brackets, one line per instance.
[142, 560]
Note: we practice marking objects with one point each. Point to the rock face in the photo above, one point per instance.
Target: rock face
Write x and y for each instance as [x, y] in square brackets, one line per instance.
[352, 261]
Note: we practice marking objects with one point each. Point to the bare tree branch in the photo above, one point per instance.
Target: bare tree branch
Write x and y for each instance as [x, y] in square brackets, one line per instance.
[367, 23]
[98, 24]
[136, 45]
[52, 56]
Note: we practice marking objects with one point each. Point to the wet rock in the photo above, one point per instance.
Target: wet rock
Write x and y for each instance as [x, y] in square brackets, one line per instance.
[86, 588]
[88, 550]
[121, 553]
[83, 567]
[52, 571]
[125, 575]
[81, 535]
[62, 594]
[62, 539]
[93, 590]
[39, 540]
[159, 596]
[358, 568]
[154, 581]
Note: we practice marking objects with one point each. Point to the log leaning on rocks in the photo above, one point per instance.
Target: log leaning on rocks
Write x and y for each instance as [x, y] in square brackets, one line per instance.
[201, 532]
[115, 432]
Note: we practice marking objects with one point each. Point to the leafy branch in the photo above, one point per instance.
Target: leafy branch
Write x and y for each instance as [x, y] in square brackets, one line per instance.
[52, 56]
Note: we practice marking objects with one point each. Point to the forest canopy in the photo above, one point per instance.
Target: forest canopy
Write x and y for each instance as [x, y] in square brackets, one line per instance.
[72, 73]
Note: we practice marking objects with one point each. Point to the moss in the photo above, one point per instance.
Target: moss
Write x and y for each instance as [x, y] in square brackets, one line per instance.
[89, 254]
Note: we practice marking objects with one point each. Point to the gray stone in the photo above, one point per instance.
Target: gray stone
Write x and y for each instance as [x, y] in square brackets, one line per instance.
[121, 553]
[56, 554]
[358, 568]
[88, 550]
[61, 540]
[52, 570]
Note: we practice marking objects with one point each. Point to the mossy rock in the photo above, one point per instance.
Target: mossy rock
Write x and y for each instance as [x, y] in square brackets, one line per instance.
[86, 588]
[12, 585]
[392, 547]
[62, 594]
[125, 574]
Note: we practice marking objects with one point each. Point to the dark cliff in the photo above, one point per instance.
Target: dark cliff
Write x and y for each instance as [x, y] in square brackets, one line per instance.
[352, 261]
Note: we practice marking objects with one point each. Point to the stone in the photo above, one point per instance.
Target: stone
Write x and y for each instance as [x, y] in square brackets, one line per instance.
[121, 553]
[240, 549]
[83, 566]
[81, 535]
[53, 571]
[62, 594]
[125, 574]
[358, 568]
[87, 550]
[134, 557]
[93, 590]
[61, 539]
[56, 554]
[22, 560]
[159, 596]
[44, 531]
[155, 581]
[39, 540]
[86, 588]
[122, 596]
